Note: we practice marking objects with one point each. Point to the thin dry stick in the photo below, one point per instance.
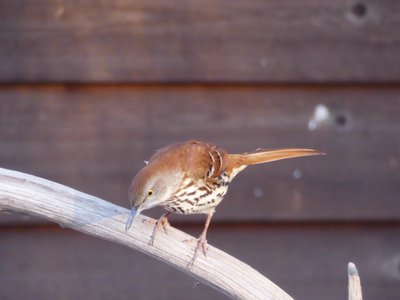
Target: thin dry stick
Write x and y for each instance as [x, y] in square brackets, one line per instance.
[354, 282]
[32, 195]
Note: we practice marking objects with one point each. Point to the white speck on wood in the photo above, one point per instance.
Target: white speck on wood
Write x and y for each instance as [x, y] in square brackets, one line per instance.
[258, 192]
[321, 114]
[264, 62]
[70, 208]
[297, 174]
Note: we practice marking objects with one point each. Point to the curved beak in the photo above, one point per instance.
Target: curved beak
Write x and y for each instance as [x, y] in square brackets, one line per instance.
[135, 211]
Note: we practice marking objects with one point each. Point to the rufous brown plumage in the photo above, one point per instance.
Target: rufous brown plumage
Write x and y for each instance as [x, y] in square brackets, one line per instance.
[192, 178]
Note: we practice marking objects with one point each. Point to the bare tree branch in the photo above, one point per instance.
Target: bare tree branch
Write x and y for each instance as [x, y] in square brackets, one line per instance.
[355, 292]
[32, 195]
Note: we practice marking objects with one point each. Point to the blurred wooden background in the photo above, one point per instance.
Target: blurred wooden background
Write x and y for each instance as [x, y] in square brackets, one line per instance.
[89, 89]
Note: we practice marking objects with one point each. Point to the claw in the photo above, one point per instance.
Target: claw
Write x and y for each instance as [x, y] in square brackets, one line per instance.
[162, 221]
[201, 244]
[202, 241]
[204, 246]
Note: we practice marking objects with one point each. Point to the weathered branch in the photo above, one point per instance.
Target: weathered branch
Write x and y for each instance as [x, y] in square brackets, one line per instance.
[70, 208]
[355, 292]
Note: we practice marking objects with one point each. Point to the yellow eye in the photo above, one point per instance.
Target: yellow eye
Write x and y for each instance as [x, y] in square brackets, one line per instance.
[150, 192]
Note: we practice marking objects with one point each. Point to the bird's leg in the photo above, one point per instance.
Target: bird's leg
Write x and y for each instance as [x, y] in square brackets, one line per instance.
[162, 221]
[202, 240]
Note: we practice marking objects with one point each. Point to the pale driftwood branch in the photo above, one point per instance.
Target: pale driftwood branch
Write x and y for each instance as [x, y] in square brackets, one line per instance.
[354, 282]
[70, 208]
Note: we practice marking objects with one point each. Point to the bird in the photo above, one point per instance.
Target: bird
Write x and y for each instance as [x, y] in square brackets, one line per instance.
[192, 177]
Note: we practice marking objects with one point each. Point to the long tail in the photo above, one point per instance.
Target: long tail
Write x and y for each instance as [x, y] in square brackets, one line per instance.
[264, 156]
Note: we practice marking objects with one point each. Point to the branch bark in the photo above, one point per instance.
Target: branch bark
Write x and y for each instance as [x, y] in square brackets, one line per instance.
[70, 208]
[355, 292]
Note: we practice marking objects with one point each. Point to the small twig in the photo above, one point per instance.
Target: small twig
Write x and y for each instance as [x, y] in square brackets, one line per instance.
[32, 195]
[354, 282]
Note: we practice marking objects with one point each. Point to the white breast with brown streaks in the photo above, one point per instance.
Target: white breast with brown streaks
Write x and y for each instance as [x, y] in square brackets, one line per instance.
[198, 197]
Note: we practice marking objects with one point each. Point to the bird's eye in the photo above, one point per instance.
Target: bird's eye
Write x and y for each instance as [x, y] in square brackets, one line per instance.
[150, 192]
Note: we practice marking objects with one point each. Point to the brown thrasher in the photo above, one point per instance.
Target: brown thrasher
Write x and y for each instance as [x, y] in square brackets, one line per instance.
[192, 178]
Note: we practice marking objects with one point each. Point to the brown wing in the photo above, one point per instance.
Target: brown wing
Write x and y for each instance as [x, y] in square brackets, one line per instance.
[197, 159]
[203, 160]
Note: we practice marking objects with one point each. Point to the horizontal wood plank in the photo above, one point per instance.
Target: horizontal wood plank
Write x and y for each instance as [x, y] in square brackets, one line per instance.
[199, 41]
[95, 139]
[308, 262]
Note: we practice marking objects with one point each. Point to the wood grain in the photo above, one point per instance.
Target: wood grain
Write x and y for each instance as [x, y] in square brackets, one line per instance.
[354, 286]
[199, 41]
[96, 217]
[62, 264]
[96, 138]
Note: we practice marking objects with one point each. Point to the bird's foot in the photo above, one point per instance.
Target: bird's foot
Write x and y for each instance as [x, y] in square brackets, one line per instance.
[161, 222]
[201, 244]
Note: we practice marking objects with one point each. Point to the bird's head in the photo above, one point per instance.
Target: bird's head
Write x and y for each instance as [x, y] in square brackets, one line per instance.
[148, 189]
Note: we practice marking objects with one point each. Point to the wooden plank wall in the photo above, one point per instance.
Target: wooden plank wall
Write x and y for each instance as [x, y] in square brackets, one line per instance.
[89, 89]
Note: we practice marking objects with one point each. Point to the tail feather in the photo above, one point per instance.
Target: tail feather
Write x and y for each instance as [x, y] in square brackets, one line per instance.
[264, 156]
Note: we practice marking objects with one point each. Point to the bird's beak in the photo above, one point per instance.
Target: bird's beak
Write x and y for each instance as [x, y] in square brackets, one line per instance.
[134, 212]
